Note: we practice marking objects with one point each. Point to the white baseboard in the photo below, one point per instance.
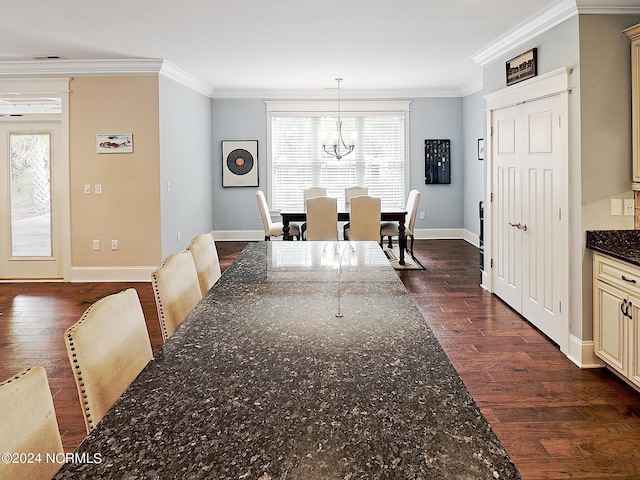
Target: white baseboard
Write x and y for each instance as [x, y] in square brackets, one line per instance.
[111, 274]
[582, 353]
[421, 234]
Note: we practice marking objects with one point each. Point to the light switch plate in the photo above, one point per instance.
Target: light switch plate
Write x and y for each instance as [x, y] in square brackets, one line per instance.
[616, 206]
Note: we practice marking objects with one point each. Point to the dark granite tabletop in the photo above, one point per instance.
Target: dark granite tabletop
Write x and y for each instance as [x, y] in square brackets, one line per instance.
[621, 244]
[263, 381]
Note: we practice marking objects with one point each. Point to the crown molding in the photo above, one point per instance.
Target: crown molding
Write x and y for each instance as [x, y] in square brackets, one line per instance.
[78, 68]
[471, 88]
[102, 68]
[531, 28]
[172, 72]
[549, 18]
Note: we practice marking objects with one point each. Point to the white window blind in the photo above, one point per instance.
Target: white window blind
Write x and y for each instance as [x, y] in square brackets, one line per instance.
[297, 160]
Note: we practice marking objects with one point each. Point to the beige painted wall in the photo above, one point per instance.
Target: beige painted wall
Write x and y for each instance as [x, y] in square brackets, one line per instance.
[129, 208]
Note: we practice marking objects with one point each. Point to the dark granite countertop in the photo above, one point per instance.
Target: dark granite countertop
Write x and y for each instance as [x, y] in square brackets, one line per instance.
[621, 244]
[263, 381]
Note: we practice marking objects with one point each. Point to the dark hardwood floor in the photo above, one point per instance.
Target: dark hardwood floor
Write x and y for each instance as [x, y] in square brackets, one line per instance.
[555, 420]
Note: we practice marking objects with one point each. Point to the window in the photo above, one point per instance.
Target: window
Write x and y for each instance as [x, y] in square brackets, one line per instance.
[297, 161]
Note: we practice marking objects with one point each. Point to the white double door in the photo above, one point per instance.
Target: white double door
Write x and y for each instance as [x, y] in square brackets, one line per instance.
[530, 217]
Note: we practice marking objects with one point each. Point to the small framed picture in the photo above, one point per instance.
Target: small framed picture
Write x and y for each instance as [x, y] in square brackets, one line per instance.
[239, 163]
[114, 143]
[481, 149]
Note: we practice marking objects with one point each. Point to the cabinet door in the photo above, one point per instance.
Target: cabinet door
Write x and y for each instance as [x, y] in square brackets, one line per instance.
[635, 107]
[609, 326]
[634, 343]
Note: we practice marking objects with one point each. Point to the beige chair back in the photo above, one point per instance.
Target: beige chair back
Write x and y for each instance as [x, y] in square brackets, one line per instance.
[322, 218]
[313, 192]
[364, 218]
[351, 192]
[108, 347]
[29, 426]
[263, 208]
[412, 209]
[205, 256]
[176, 289]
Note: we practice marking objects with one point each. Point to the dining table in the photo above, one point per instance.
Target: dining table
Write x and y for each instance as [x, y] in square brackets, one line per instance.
[388, 213]
[306, 360]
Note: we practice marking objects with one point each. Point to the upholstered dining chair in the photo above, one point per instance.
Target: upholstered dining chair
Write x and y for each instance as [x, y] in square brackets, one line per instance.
[273, 229]
[308, 193]
[176, 289]
[28, 425]
[390, 229]
[205, 256]
[364, 219]
[108, 347]
[322, 218]
[313, 192]
[349, 193]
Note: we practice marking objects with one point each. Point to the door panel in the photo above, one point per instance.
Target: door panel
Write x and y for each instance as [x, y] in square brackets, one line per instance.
[507, 204]
[543, 240]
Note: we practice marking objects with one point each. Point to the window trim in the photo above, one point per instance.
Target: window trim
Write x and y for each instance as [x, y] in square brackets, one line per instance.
[321, 108]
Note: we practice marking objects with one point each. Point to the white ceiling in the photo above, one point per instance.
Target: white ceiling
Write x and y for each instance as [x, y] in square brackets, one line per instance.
[244, 45]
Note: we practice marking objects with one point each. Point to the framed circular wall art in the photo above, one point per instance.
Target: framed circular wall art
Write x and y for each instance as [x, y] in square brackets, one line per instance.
[239, 163]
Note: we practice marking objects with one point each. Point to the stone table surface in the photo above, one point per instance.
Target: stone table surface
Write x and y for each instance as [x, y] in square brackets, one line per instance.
[264, 381]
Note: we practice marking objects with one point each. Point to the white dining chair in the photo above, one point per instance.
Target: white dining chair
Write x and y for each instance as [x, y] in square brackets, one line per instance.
[390, 229]
[313, 192]
[176, 289]
[108, 347]
[322, 219]
[308, 193]
[29, 426]
[349, 193]
[271, 228]
[364, 219]
[205, 256]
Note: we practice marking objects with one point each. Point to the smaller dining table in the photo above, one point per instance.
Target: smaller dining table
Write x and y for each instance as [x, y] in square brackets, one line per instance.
[388, 213]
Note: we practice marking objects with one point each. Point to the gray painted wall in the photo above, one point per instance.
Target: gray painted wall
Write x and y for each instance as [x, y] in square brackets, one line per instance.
[245, 119]
[473, 119]
[185, 163]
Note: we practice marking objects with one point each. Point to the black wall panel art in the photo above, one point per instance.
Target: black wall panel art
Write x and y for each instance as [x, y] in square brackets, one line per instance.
[437, 161]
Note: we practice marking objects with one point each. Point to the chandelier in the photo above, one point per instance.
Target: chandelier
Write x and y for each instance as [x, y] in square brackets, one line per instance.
[338, 147]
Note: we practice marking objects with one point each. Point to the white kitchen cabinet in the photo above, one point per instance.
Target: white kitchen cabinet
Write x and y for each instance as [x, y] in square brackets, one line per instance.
[616, 315]
[634, 35]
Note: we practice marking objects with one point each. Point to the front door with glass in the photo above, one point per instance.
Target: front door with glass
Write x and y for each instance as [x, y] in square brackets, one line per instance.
[29, 246]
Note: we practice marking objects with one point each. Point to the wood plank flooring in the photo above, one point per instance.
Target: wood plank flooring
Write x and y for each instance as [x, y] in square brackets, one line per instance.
[555, 420]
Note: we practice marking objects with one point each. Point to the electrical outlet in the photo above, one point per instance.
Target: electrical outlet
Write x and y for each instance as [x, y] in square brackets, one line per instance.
[114, 244]
[616, 206]
[96, 245]
[629, 206]
[423, 215]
